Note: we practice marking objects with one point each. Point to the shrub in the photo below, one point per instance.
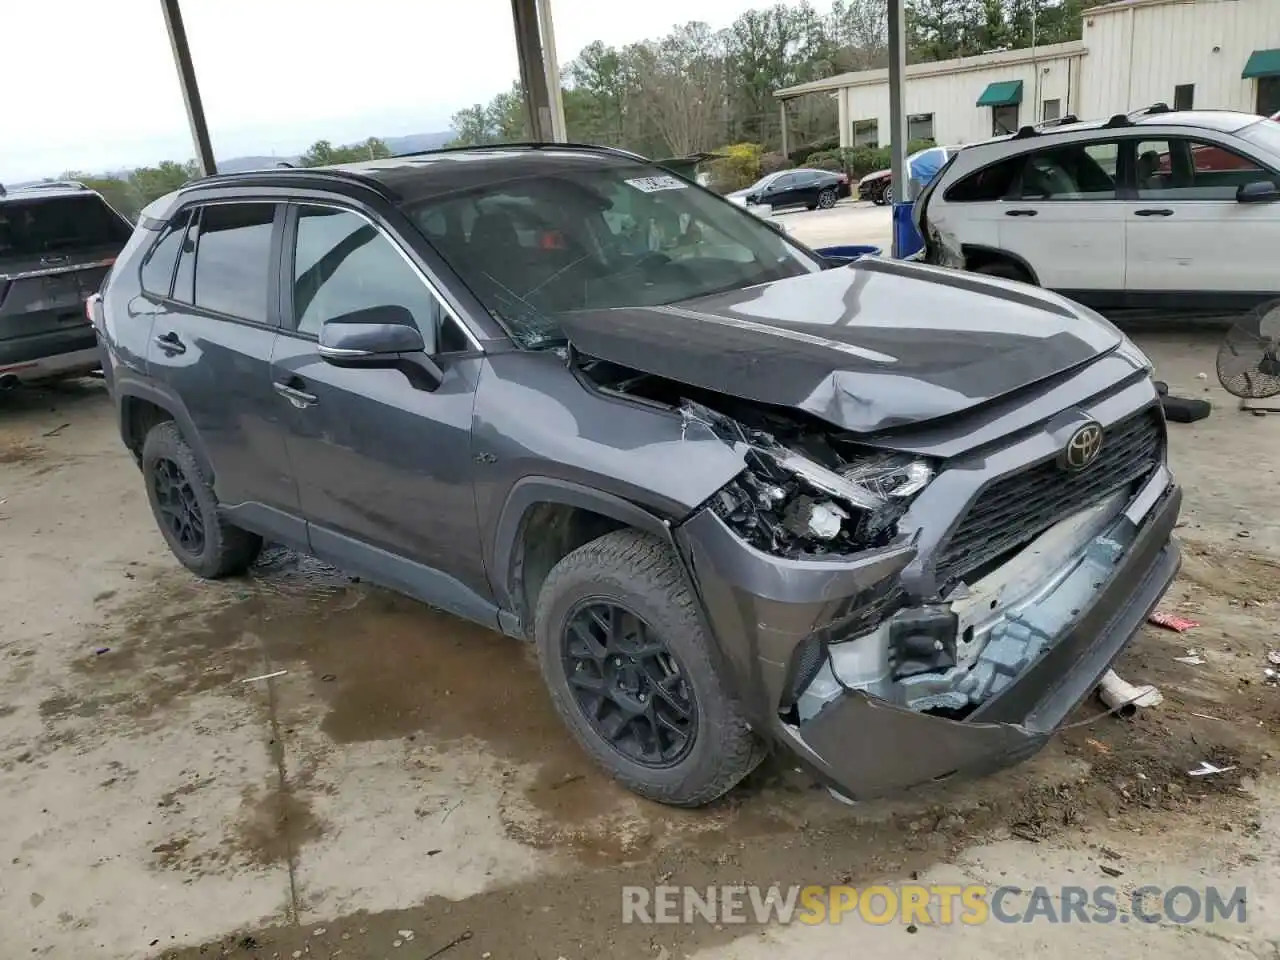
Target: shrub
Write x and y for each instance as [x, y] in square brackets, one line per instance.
[739, 168]
[772, 162]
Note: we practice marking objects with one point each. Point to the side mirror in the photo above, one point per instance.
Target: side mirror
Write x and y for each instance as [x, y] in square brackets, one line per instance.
[380, 337]
[1260, 191]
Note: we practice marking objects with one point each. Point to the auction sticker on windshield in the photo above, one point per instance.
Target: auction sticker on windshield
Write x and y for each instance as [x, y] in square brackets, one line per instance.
[654, 184]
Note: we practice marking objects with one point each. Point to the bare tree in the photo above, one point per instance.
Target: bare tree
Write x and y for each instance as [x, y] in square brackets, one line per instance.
[682, 77]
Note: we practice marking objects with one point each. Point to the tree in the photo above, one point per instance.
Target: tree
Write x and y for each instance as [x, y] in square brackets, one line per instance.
[323, 153]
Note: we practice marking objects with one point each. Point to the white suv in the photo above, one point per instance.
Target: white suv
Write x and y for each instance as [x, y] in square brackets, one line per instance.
[1156, 210]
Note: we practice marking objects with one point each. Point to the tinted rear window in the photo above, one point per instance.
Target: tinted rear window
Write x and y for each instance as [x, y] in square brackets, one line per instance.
[59, 225]
[990, 183]
[233, 259]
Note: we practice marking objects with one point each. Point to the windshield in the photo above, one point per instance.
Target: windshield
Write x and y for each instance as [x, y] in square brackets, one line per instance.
[1264, 134]
[38, 227]
[628, 235]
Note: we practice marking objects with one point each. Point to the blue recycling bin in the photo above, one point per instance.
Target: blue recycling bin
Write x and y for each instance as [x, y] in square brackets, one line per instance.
[906, 238]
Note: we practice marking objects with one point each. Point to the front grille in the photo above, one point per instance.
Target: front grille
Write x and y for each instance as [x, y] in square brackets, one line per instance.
[1014, 510]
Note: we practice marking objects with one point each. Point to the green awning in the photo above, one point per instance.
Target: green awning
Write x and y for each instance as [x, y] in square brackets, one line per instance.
[1005, 93]
[1262, 63]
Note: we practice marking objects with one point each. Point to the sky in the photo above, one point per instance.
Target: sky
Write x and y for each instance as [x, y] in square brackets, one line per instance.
[91, 85]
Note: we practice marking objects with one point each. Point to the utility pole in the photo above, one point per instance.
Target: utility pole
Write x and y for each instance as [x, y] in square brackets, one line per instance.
[190, 89]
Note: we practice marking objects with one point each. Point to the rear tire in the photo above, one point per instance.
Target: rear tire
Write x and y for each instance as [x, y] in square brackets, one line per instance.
[186, 509]
[827, 199]
[1006, 269]
[886, 197]
[637, 574]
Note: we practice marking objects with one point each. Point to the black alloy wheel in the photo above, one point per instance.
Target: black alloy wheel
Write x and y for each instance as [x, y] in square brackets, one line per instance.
[176, 502]
[827, 199]
[627, 684]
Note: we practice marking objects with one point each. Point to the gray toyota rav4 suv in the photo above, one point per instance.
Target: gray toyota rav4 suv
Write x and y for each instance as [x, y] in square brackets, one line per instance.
[894, 519]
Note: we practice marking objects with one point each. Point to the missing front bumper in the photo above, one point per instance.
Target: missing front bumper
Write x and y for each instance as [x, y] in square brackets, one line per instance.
[867, 747]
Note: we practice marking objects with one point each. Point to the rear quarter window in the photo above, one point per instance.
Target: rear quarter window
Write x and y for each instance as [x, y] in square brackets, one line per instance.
[157, 268]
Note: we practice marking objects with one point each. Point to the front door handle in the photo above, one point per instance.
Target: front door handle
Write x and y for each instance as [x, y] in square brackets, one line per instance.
[171, 343]
[1153, 213]
[299, 398]
[1020, 213]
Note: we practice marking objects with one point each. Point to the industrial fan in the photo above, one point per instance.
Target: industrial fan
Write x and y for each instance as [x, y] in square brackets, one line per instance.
[1249, 358]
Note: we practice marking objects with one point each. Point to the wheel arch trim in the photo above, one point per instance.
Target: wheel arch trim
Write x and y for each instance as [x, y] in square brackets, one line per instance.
[968, 248]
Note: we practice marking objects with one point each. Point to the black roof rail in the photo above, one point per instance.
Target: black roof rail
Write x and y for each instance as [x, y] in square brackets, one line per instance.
[1159, 107]
[1119, 120]
[54, 185]
[1069, 119]
[1025, 132]
[292, 175]
[526, 145]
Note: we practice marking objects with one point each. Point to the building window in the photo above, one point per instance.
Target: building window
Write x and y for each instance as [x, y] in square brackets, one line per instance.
[1052, 110]
[866, 133]
[1184, 96]
[1004, 119]
[920, 126]
[1268, 96]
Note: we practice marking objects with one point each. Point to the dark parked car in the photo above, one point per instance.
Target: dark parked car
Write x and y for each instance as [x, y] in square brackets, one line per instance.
[923, 164]
[894, 519]
[812, 189]
[57, 242]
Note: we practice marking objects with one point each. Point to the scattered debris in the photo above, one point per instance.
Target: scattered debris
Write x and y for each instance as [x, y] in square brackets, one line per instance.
[101, 650]
[1124, 698]
[450, 810]
[1207, 769]
[56, 430]
[1244, 534]
[432, 853]
[460, 938]
[1109, 853]
[318, 932]
[1273, 656]
[1098, 745]
[1202, 376]
[566, 780]
[1205, 716]
[1172, 621]
[1110, 871]
[405, 935]
[329, 677]
[1192, 658]
[265, 676]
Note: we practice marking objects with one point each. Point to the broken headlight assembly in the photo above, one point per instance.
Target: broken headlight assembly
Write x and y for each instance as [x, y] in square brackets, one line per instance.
[788, 504]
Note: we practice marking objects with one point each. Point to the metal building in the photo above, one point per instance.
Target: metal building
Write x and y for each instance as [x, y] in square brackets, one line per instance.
[1187, 53]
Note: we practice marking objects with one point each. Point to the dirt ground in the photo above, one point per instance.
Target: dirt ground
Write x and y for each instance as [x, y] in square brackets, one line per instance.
[401, 782]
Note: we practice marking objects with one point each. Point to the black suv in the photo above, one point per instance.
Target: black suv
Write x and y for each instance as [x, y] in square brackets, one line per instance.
[896, 519]
[57, 242]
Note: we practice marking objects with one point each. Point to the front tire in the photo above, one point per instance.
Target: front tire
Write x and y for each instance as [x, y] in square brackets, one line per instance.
[186, 509]
[1004, 269]
[630, 671]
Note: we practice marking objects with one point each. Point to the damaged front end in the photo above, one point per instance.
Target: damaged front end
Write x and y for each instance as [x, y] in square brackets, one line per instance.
[828, 571]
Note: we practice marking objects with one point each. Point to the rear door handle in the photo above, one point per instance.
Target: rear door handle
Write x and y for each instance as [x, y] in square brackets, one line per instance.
[1020, 213]
[299, 398]
[171, 343]
[1153, 213]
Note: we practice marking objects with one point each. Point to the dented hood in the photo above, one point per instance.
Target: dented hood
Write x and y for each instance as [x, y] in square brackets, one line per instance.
[874, 345]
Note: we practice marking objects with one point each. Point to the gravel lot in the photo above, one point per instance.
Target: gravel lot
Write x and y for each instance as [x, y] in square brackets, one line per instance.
[406, 773]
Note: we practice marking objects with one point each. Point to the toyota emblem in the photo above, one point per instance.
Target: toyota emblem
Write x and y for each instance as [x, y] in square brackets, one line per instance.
[1083, 447]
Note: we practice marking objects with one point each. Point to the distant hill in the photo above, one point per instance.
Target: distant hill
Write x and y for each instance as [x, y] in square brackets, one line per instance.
[418, 141]
[410, 143]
